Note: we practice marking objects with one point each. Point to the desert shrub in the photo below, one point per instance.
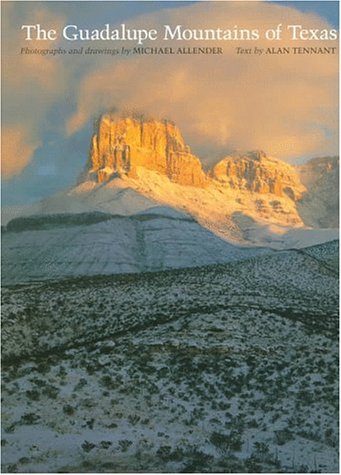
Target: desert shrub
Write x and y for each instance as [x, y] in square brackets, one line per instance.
[225, 442]
[87, 446]
[38, 382]
[253, 424]
[51, 391]
[81, 383]
[133, 419]
[62, 372]
[108, 382]
[124, 444]
[252, 465]
[164, 452]
[197, 461]
[29, 418]
[262, 452]
[68, 410]
[283, 436]
[303, 469]
[12, 468]
[105, 444]
[33, 394]
[90, 423]
[113, 425]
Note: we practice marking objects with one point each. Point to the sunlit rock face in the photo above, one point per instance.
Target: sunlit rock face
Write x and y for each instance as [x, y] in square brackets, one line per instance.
[152, 157]
[119, 146]
[256, 172]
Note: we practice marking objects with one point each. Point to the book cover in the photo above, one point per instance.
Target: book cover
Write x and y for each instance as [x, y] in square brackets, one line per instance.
[170, 213]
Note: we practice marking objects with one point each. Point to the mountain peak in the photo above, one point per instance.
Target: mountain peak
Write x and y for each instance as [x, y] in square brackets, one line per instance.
[120, 145]
[131, 146]
[256, 172]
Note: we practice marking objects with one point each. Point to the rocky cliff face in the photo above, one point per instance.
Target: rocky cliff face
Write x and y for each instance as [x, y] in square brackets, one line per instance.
[119, 146]
[135, 147]
[256, 172]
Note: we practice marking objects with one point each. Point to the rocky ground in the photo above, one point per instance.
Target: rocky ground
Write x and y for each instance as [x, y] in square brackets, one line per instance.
[225, 368]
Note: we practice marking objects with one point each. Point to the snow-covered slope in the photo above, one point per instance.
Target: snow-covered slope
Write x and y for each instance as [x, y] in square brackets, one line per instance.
[58, 246]
[115, 197]
[248, 218]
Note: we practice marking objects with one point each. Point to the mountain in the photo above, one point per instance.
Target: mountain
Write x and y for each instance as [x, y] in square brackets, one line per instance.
[144, 203]
[247, 197]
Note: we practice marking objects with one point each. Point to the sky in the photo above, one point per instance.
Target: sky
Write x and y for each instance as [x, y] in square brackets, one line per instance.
[286, 105]
[327, 10]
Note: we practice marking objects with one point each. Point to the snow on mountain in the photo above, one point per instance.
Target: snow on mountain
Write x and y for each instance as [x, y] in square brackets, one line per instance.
[245, 218]
[152, 158]
[63, 246]
[115, 197]
[164, 211]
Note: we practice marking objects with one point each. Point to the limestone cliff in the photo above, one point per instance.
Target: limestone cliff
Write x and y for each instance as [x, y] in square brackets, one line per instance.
[119, 146]
[256, 172]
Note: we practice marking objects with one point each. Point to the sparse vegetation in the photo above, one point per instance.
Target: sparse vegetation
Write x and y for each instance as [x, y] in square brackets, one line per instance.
[217, 369]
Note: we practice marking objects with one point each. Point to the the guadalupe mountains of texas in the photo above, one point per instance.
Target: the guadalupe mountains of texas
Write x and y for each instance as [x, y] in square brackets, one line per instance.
[144, 202]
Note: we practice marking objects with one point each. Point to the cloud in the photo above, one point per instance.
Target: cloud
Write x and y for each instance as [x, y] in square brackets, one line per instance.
[284, 104]
[17, 147]
[31, 84]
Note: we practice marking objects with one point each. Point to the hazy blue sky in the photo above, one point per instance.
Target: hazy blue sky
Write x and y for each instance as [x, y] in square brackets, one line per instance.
[327, 10]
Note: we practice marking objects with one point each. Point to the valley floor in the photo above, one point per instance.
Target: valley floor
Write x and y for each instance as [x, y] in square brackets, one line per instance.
[225, 368]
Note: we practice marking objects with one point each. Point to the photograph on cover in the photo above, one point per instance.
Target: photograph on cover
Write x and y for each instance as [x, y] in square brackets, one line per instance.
[170, 213]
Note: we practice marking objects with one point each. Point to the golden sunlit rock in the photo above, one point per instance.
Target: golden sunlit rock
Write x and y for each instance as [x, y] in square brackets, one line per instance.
[256, 172]
[119, 146]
